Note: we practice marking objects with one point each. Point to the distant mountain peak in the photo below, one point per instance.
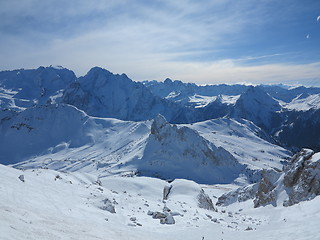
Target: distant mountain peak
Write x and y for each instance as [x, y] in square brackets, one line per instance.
[97, 71]
[168, 81]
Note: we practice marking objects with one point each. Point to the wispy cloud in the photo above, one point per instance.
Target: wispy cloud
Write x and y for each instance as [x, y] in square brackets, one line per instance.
[219, 40]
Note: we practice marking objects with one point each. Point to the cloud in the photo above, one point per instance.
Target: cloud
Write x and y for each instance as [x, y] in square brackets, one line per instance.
[167, 25]
[109, 30]
[229, 71]
[219, 41]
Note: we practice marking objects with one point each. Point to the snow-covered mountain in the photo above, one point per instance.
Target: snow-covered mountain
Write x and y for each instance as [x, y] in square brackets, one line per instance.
[61, 137]
[101, 93]
[200, 96]
[20, 89]
[92, 158]
[304, 103]
[257, 106]
[187, 93]
[173, 152]
[248, 143]
[40, 129]
[275, 108]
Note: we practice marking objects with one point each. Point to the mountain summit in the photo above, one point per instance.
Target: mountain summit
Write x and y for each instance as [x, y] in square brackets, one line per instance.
[101, 93]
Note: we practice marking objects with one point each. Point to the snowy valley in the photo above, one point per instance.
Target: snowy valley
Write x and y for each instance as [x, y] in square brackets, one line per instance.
[104, 157]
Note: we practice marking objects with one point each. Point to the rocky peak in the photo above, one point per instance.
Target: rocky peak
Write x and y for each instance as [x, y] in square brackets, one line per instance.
[168, 81]
[158, 123]
[180, 152]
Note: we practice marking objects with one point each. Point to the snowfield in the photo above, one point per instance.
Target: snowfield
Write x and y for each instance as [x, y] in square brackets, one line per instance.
[54, 205]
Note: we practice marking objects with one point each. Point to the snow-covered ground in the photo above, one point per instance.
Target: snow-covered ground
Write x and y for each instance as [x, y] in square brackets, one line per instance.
[304, 103]
[45, 204]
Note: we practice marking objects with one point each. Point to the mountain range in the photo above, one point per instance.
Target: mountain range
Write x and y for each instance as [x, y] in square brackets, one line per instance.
[281, 111]
[126, 154]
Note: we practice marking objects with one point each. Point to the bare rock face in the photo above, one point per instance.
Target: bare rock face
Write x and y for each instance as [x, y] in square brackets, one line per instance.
[166, 191]
[262, 193]
[295, 168]
[158, 123]
[300, 181]
[302, 176]
[266, 193]
[205, 201]
[239, 195]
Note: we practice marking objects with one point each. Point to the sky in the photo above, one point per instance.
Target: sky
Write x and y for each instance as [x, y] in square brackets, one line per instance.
[200, 41]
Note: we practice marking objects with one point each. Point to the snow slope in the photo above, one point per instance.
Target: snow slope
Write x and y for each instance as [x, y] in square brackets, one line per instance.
[54, 205]
[301, 103]
[244, 140]
[63, 138]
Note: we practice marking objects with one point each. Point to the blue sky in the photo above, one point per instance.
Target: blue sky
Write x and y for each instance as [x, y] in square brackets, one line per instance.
[202, 41]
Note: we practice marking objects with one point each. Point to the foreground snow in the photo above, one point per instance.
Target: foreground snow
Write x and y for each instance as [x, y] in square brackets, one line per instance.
[45, 204]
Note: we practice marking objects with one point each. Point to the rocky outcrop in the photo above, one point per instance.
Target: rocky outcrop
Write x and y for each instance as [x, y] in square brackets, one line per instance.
[302, 177]
[204, 201]
[299, 181]
[108, 206]
[239, 195]
[166, 217]
[166, 191]
[180, 152]
[266, 192]
[262, 193]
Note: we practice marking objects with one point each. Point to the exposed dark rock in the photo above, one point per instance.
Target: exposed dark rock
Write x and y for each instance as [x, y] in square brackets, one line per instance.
[300, 180]
[302, 175]
[108, 206]
[266, 194]
[21, 178]
[205, 201]
[166, 192]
